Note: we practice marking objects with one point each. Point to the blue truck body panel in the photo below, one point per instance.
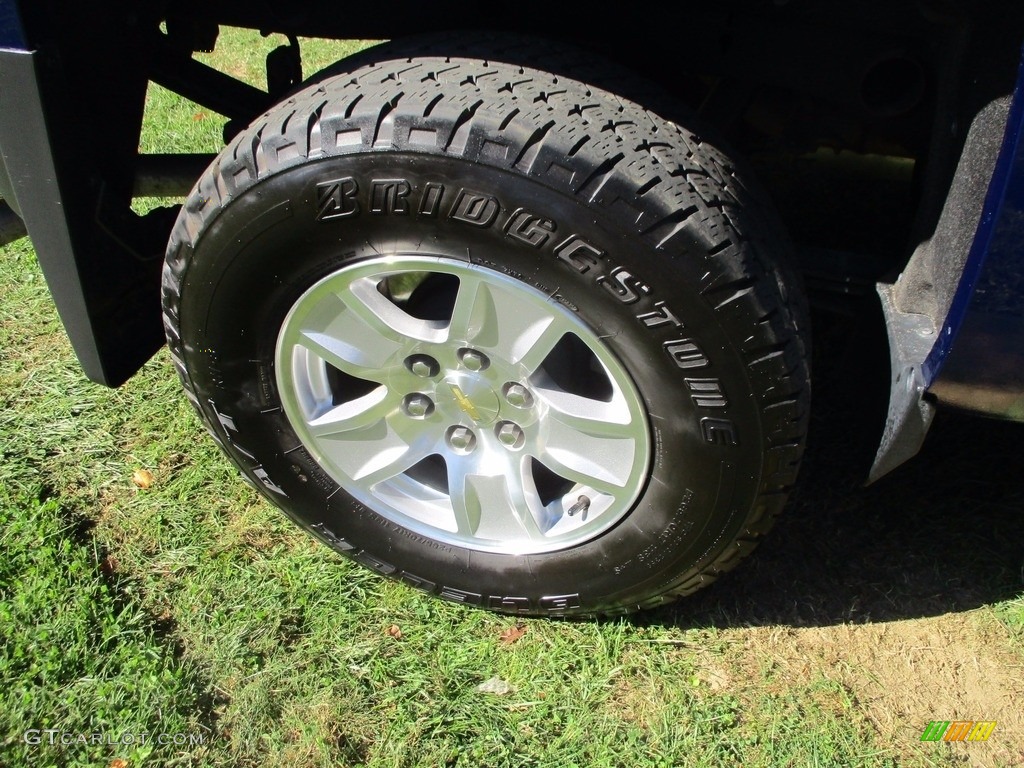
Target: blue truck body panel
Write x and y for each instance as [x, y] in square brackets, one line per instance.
[993, 278]
[12, 34]
[977, 362]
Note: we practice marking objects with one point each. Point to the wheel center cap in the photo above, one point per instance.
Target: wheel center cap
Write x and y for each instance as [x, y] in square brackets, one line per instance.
[472, 396]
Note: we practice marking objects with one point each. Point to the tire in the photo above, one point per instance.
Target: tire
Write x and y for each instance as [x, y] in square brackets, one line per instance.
[499, 334]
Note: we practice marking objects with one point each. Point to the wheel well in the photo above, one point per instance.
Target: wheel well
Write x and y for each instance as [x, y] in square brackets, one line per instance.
[853, 116]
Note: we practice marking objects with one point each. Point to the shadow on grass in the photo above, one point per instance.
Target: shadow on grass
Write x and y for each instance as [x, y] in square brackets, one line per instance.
[195, 693]
[943, 533]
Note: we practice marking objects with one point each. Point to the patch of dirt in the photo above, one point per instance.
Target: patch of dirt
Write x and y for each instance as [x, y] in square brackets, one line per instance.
[904, 674]
[634, 701]
[715, 676]
[887, 589]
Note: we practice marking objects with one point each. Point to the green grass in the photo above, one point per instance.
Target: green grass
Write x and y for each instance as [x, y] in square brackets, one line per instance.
[1011, 613]
[194, 607]
[79, 656]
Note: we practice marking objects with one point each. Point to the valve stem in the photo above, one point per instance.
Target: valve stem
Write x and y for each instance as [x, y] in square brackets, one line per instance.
[582, 505]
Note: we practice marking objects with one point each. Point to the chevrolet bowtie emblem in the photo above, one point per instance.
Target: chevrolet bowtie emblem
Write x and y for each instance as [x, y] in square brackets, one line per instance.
[465, 403]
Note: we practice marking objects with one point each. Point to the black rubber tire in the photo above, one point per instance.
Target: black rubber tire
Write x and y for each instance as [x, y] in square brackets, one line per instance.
[672, 258]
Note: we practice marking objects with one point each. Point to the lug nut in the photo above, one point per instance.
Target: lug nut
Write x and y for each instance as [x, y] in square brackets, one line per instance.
[461, 439]
[510, 434]
[417, 405]
[518, 395]
[422, 365]
[473, 360]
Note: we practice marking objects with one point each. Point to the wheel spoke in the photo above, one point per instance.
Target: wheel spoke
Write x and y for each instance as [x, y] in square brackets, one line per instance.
[358, 344]
[537, 345]
[360, 331]
[523, 505]
[491, 507]
[465, 498]
[502, 323]
[354, 415]
[383, 317]
[377, 453]
[470, 312]
[603, 463]
[588, 416]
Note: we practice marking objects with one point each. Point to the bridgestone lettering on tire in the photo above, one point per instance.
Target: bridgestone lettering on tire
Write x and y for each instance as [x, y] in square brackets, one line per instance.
[494, 332]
